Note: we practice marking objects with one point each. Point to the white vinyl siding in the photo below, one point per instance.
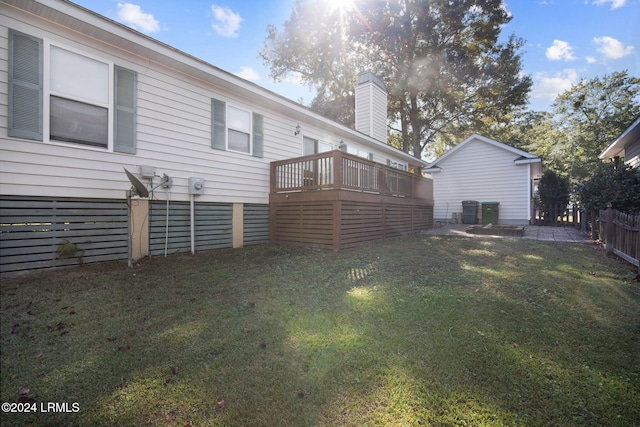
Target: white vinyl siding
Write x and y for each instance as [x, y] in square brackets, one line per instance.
[173, 128]
[371, 107]
[632, 154]
[484, 173]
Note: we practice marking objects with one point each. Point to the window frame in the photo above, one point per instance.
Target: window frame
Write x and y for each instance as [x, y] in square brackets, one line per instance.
[242, 131]
[220, 127]
[48, 93]
[31, 94]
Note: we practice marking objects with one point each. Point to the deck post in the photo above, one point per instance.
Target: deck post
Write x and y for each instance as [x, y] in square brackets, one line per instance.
[337, 169]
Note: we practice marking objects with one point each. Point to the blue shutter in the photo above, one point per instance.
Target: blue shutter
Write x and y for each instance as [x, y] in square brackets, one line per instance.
[124, 123]
[25, 86]
[218, 124]
[258, 135]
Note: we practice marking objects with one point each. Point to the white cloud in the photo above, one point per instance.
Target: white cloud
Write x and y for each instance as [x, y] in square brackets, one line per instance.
[591, 60]
[614, 3]
[549, 87]
[248, 73]
[226, 22]
[132, 15]
[612, 48]
[560, 50]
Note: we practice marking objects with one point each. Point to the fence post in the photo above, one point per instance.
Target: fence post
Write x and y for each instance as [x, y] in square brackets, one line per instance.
[594, 224]
[609, 231]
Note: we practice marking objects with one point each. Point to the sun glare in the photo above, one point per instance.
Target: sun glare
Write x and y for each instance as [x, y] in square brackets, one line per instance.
[342, 6]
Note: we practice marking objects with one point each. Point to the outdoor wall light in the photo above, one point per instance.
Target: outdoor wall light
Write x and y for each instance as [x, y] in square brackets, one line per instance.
[297, 131]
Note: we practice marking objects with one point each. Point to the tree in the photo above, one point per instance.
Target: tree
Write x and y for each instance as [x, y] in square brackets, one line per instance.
[585, 120]
[616, 186]
[442, 62]
[553, 190]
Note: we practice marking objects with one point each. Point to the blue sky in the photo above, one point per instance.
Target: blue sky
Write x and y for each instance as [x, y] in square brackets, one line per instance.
[566, 40]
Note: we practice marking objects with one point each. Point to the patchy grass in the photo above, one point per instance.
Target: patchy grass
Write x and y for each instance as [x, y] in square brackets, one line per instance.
[419, 330]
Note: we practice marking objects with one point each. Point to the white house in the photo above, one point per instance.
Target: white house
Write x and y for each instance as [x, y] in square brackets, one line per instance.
[626, 146]
[84, 97]
[483, 170]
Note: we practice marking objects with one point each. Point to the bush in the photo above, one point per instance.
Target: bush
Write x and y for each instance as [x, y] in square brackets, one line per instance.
[553, 190]
[618, 186]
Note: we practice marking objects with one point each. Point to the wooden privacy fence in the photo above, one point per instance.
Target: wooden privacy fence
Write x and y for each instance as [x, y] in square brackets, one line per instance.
[619, 233]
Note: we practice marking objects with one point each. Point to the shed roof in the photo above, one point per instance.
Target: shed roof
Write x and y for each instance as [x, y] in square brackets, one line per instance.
[522, 156]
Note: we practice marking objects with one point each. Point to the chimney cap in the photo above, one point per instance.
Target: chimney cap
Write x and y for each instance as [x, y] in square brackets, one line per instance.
[369, 77]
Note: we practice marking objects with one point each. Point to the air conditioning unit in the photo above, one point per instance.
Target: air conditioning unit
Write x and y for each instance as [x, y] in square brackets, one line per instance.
[196, 185]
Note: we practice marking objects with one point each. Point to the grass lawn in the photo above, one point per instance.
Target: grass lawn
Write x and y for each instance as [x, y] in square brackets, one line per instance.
[412, 331]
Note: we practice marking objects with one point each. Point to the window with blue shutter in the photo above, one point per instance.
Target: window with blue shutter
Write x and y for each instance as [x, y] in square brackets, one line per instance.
[235, 129]
[78, 96]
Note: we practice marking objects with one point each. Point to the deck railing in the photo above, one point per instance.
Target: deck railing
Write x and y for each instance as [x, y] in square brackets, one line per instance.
[337, 170]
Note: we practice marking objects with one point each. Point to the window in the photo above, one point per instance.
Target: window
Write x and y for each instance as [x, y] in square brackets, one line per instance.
[235, 129]
[309, 146]
[239, 126]
[360, 153]
[78, 99]
[397, 165]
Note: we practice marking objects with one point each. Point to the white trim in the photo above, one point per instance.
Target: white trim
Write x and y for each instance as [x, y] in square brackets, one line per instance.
[47, 92]
[619, 144]
[475, 137]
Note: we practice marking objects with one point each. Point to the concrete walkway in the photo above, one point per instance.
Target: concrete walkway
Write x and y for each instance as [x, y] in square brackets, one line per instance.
[535, 232]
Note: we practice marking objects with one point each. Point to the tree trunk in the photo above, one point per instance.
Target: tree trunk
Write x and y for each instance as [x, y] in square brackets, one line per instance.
[415, 126]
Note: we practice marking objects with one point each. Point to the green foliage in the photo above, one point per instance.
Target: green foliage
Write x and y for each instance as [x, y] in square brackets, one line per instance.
[66, 249]
[553, 189]
[618, 186]
[441, 61]
[584, 120]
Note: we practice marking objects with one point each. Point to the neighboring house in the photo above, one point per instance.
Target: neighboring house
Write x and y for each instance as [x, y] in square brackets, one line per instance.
[626, 147]
[483, 170]
[84, 97]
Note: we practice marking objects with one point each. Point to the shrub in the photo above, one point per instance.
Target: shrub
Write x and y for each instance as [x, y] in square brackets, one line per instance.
[618, 186]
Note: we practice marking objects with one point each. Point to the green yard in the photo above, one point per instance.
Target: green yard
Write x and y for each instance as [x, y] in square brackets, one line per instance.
[413, 331]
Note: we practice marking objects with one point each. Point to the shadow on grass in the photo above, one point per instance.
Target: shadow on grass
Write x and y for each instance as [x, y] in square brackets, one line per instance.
[420, 330]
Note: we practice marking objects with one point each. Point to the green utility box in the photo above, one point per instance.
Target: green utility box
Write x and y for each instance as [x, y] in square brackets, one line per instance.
[490, 212]
[470, 211]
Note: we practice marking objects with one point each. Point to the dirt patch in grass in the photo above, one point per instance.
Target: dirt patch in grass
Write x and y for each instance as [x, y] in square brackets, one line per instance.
[419, 330]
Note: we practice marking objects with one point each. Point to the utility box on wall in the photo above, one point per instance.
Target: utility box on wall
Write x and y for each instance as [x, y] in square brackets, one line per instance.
[196, 185]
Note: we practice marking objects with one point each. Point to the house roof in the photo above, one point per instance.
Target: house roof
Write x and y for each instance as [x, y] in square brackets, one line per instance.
[99, 27]
[523, 156]
[632, 133]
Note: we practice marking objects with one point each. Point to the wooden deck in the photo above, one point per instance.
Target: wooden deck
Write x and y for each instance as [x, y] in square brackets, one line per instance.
[336, 200]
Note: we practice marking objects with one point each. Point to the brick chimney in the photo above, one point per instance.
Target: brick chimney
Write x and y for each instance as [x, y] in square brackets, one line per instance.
[371, 106]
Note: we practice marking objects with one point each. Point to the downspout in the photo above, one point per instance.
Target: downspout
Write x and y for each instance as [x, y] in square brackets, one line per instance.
[129, 231]
[193, 223]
